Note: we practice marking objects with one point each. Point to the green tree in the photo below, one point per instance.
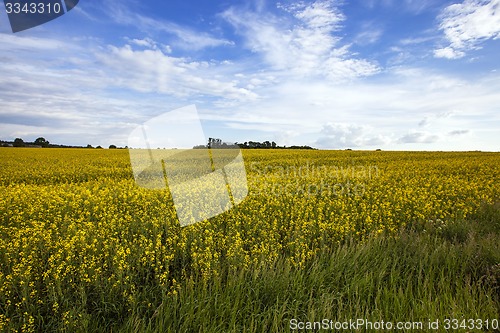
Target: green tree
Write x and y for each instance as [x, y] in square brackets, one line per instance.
[18, 142]
[41, 142]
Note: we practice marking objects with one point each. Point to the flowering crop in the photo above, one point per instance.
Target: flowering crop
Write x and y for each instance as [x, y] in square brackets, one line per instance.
[78, 236]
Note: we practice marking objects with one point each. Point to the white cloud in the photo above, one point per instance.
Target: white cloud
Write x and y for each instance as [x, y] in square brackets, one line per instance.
[415, 40]
[89, 95]
[15, 42]
[369, 33]
[146, 42]
[466, 25]
[381, 114]
[151, 70]
[448, 53]
[186, 37]
[368, 36]
[341, 135]
[303, 43]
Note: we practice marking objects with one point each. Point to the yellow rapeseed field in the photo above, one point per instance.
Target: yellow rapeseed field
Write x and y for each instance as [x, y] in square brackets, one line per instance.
[78, 236]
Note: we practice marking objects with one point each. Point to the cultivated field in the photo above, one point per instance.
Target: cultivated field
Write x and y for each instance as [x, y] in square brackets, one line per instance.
[393, 236]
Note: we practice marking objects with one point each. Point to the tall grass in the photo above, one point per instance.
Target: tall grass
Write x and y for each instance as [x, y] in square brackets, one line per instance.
[425, 273]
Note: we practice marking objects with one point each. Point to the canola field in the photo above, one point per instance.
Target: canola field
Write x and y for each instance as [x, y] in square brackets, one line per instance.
[79, 239]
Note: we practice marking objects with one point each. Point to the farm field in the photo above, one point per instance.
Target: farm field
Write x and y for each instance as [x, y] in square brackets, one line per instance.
[393, 236]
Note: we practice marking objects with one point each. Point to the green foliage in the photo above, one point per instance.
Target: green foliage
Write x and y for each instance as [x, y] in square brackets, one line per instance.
[18, 142]
[41, 142]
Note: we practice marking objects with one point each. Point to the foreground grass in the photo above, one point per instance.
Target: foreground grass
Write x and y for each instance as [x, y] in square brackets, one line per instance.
[431, 272]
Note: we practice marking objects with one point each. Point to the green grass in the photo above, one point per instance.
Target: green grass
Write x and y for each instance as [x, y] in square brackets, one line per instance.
[426, 272]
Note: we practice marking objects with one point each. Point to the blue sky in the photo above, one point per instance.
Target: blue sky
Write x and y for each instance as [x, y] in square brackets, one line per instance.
[399, 75]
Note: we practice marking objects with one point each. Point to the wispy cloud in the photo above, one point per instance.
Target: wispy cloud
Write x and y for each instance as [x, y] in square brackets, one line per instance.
[416, 40]
[15, 42]
[369, 35]
[458, 132]
[306, 42]
[466, 25]
[418, 137]
[152, 70]
[412, 6]
[186, 38]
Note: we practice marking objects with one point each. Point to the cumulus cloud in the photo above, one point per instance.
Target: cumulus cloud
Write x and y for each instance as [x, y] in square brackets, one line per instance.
[466, 25]
[152, 70]
[341, 135]
[448, 53]
[103, 91]
[150, 43]
[306, 42]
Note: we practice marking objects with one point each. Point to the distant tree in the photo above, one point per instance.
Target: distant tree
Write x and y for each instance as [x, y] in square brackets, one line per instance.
[98, 147]
[18, 142]
[112, 147]
[41, 142]
[89, 146]
[215, 143]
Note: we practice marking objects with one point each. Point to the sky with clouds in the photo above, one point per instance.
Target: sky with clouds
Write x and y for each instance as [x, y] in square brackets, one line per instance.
[368, 74]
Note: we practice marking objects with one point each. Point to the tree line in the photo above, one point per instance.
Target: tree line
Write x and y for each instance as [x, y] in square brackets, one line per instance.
[41, 142]
[218, 143]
